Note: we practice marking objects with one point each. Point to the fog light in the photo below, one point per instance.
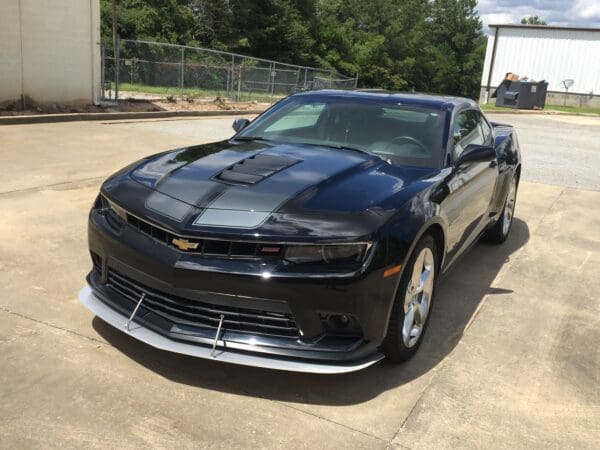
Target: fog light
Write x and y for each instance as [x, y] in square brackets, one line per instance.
[340, 324]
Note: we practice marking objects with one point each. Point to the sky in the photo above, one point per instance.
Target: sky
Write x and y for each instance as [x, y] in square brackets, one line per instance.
[574, 13]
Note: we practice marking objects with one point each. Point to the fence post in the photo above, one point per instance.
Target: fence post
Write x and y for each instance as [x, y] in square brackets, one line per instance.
[131, 69]
[181, 69]
[356, 81]
[297, 80]
[230, 88]
[305, 77]
[117, 68]
[272, 76]
[102, 66]
[239, 87]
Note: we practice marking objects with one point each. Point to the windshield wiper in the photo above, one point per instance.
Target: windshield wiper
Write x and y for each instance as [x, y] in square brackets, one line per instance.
[250, 138]
[354, 149]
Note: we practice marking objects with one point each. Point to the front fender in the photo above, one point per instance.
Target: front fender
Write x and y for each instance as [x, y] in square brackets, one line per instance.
[404, 230]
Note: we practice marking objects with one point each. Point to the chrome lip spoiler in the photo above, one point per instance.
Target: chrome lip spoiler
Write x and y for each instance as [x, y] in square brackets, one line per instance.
[119, 321]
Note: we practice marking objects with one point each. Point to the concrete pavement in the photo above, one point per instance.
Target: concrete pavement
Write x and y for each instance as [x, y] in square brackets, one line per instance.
[558, 149]
[511, 358]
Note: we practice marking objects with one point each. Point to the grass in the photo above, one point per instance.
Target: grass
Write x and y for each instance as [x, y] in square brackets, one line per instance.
[574, 109]
[165, 91]
[561, 108]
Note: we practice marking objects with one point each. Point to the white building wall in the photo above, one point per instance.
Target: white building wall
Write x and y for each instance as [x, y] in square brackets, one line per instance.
[50, 50]
[546, 54]
[10, 50]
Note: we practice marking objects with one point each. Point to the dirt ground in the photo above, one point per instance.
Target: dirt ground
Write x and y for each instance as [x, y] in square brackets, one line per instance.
[134, 103]
[511, 358]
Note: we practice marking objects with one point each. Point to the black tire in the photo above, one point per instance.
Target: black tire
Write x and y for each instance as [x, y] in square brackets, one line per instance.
[393, 345]
[498, 233]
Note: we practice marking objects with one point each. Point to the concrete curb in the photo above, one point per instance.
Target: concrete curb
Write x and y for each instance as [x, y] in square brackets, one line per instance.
[71, 117]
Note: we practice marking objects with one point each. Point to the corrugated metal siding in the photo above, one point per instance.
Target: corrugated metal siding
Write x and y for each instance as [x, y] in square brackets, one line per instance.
[551, 55]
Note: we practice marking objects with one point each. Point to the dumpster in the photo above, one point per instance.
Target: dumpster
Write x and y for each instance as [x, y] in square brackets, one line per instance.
[521, 94]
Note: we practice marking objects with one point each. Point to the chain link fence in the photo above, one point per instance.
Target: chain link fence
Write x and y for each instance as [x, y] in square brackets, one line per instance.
[149, 69]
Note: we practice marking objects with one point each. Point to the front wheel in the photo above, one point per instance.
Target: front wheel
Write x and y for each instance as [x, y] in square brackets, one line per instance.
[410, 313]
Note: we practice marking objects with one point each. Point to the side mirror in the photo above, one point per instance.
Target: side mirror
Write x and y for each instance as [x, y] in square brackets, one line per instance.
[475, 153]
[240, 124]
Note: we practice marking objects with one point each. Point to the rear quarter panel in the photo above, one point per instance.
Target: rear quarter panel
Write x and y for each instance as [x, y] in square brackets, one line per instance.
[508, 152]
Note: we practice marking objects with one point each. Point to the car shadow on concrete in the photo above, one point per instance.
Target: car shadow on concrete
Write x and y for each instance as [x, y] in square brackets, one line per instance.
[460, 294]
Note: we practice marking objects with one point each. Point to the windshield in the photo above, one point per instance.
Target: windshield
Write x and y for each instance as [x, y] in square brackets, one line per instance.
[404, 135]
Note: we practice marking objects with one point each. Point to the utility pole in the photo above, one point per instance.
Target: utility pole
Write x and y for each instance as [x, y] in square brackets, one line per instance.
[115, 47]
[114, 25]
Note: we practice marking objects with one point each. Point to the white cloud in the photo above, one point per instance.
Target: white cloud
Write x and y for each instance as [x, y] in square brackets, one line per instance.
[498, 18]
[583, 13]
[587, 9]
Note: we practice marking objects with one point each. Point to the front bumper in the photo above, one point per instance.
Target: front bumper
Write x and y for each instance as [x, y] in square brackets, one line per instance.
[223, 354]
[129, 263]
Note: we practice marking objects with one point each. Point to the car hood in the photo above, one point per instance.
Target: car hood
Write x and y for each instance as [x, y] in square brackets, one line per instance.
[265, 188]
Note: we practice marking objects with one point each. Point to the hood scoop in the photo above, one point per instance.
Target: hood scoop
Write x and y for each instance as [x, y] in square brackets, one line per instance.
[253, 170]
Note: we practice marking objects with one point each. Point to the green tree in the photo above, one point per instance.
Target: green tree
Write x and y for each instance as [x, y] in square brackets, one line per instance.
[429, 45]
[160, 20]
[212, 22]
[456, 48]
[379, 39]
[533, 20]
[273, 29]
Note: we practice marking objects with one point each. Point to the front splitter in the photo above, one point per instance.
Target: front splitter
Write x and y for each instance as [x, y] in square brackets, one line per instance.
[135, 330]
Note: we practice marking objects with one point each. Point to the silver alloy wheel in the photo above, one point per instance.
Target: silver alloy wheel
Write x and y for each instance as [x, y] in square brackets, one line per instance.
[509, 208]
[418, 297]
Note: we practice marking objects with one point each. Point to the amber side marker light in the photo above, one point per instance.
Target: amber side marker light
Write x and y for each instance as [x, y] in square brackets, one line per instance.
[392, 271]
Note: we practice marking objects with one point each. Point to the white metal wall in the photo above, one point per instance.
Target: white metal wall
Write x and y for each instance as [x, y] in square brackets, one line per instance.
[552, 55]
[50, 50]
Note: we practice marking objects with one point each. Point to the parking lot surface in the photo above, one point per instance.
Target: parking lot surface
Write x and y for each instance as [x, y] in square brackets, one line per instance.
[511, 358]
[558, 149]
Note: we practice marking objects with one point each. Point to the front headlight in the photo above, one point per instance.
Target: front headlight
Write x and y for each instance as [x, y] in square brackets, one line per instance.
[336, 253]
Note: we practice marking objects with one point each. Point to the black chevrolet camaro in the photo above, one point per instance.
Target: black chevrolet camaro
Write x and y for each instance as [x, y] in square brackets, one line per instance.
[312, 240]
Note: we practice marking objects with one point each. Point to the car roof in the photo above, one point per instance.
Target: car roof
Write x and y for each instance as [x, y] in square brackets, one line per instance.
[441, 102]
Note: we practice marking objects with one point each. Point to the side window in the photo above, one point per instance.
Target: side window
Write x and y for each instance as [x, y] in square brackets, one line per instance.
[485, 127]
[467, 130]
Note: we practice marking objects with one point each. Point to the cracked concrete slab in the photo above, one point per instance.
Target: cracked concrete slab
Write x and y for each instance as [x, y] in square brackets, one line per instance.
[44, 154]
[59, 390]
[527, 375]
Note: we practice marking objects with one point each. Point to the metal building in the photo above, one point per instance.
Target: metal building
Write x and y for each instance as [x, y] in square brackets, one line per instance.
[49, 51]
[546, 53]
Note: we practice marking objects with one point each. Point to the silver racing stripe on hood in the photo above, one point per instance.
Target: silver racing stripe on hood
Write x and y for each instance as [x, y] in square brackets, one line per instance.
[258, 181]
[231, 218]
[251, 205]
[167, 206]
[241, 207]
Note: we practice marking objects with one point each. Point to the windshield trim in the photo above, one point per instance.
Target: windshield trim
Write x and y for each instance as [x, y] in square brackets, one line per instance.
[437, 151]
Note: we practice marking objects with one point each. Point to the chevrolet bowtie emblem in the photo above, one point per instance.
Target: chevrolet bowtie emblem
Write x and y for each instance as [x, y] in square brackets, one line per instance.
[184, 244]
